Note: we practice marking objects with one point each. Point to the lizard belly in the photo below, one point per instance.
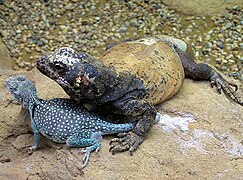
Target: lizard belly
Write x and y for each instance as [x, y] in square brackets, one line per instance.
[156, 64]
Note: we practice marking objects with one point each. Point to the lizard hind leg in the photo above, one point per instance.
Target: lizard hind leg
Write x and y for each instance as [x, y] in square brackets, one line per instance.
[202, 71]
[88, 139]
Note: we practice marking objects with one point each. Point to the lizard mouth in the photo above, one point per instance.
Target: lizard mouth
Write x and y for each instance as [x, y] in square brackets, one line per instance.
[42, 65]
[62, 81]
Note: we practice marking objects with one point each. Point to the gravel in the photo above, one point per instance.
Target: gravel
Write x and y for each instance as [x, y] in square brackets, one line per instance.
[31, 29]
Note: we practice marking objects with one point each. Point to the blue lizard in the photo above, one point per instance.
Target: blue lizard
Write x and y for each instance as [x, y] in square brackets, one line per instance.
[62, 120]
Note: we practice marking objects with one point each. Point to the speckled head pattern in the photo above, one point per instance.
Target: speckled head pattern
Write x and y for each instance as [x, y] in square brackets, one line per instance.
[21, 89]
[59, 64]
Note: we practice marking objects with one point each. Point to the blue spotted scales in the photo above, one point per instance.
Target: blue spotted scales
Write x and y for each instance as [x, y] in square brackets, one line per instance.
[62, 120]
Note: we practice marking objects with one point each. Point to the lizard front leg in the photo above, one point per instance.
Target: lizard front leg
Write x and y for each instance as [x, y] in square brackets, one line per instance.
[131, 140]
[87, 138]
[36, 137]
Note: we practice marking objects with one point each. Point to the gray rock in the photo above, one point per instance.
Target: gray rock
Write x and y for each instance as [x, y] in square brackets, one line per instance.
[220, 44]
[123, 29]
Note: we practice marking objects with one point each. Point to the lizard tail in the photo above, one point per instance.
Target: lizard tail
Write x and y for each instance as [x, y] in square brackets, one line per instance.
[117, 128]
[111, 128]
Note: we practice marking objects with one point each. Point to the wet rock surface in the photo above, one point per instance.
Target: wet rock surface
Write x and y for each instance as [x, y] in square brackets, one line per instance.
[198, 137]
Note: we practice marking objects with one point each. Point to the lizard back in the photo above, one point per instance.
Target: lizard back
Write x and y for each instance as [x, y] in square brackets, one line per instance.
[151, 60]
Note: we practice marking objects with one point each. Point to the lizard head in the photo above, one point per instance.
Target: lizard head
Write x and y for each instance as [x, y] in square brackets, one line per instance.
[21, 89]
[71, 70]
[63, 66]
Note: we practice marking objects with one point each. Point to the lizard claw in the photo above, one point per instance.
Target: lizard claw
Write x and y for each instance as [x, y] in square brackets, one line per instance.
[127, 141]
[212, 83]
[221, 84]
[85, 158]
[31, 150]
[120, 138]
[82, 151]
[87, 152]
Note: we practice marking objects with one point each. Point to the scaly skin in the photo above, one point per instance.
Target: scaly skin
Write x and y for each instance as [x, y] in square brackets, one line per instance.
[62, 120]
[129, 79]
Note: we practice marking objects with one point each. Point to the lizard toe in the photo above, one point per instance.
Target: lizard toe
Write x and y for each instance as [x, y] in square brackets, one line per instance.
[130, 142]
[227, 87]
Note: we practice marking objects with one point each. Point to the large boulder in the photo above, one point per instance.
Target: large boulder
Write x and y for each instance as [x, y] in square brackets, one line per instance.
[202, 7]
[198, 137]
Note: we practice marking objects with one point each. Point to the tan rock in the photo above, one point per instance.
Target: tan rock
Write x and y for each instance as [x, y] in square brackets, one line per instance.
[199, 138]
[10, 171]
[202, 7]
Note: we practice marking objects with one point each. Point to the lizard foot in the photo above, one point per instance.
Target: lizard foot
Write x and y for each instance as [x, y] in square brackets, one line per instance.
[32, 149]
[86, 157]
[126, 141]
[87, 152]
[221, 84]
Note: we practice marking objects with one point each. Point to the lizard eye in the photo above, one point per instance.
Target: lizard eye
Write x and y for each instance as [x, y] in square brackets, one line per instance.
[59, 67]
[11, 88]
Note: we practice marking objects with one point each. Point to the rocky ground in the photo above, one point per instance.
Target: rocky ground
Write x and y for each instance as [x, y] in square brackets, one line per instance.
[31, 29]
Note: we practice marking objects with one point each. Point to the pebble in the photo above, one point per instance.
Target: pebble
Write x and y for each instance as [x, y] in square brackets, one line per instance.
[190, 18]
[123, 29]
[15, 54]
[234, 74]
[40, 43]
[11, 42]
[220, 44]
[38, 49]
[227, 26]
[21, 64]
